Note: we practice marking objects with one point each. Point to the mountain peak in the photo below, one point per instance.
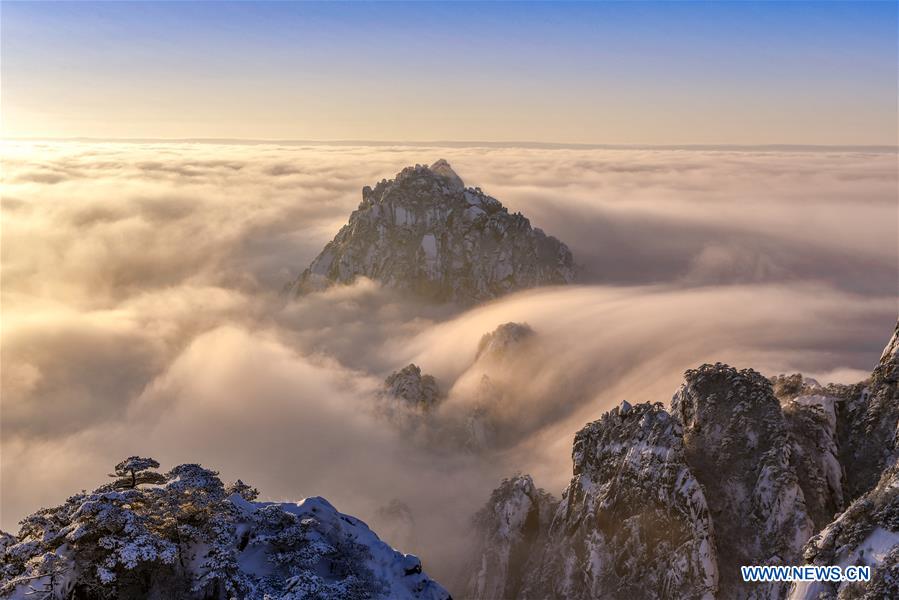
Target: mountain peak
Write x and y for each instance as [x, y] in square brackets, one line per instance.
[443, 168]
[424, 232]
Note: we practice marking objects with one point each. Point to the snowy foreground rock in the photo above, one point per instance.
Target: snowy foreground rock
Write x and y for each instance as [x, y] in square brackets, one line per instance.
[424, 232]
[188, 536]
[743, 471]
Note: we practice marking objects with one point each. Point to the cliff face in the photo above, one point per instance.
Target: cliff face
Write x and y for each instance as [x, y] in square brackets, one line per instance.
[512, 528]
[633, 522]
[866, 425]
[738, 445]
[425, 233]
[867, 533]
[742, 471]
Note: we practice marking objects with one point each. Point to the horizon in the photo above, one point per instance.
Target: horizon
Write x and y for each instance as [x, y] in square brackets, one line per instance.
[459, 144]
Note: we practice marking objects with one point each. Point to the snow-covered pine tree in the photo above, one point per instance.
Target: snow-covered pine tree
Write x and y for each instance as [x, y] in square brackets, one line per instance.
[135, 471]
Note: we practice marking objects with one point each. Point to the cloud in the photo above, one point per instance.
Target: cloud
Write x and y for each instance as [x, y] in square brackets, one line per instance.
[142, 314]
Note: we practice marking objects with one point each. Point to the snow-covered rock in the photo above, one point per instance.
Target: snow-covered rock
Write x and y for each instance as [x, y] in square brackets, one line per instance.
[811, 423]
[424, 232]
[633, 522]
[409, 386]
[510, 530]
[738, 445]
[867, 533]
[192, 538]
[744, 471]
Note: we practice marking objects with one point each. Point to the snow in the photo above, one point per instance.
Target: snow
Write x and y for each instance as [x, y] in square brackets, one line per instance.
[874, 549]
[400, 573]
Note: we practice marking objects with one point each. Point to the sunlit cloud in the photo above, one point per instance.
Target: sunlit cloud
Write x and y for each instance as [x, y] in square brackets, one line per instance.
[142, 311]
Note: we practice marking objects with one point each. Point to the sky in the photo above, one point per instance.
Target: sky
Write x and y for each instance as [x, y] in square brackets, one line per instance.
[604, 73]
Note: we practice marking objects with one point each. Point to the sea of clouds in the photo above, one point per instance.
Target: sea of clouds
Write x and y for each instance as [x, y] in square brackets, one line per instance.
[142, 310]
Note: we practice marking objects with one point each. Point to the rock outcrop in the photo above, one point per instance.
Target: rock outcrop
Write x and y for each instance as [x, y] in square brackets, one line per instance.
[425, 233]
[738, 445]
[505, 339]
[633, 522]
[867, 423]
[511, 529]
[866, 534]
[415, 390]
[188, 536]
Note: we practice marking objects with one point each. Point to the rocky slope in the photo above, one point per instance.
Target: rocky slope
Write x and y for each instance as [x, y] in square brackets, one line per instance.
[867, 533]
[513, 527]
[424, 232]
[633, 522]
[188, 536]
[743, 471]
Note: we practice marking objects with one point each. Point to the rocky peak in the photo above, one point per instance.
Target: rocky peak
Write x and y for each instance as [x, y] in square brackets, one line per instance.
[737, 444]
[633, 522]
[503, 339]
[509, 529]
[425, 233]
[410, 386]
[443, 168]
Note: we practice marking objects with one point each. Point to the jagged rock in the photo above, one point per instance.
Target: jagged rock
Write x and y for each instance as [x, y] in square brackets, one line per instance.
[867, 423]
[407, 401]
[743, 474]
[510, 530]
[502, 340]
[810, 413]
[738, 445]
[485, 424]
[811, 423]
[414, 389]
[633, 522]
[424, 232]
[867, 533]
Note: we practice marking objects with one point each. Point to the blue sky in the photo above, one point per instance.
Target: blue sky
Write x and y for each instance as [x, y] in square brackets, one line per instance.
[644, 73]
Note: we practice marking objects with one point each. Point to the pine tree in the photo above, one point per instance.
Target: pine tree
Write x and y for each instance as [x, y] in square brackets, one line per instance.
[134, 471]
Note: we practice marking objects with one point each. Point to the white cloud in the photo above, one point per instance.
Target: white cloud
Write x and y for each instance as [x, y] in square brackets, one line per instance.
[141, 311]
